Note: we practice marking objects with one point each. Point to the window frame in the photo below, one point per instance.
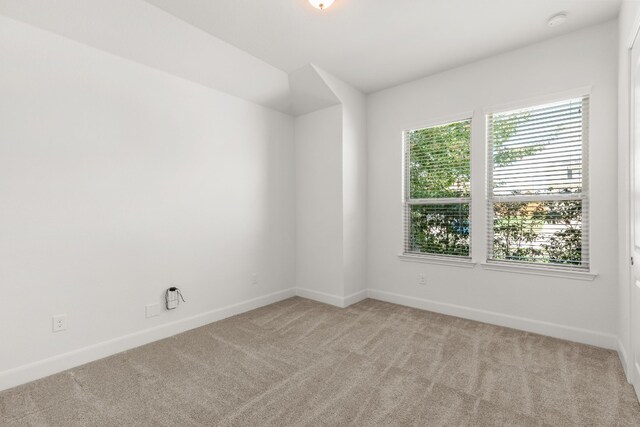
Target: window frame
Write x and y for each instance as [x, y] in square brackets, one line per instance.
[407, 201]
[546, 269]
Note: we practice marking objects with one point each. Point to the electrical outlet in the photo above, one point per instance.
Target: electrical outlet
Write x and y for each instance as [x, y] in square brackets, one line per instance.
[254, 279]
[152, 310]
[422, 280]
[59, 323]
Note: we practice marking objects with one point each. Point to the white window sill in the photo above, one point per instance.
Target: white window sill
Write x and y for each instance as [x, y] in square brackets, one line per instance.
[440, 260]
[540, 271]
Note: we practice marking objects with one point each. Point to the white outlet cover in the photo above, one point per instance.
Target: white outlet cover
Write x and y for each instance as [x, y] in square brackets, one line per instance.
[152, 310]
[59, 323]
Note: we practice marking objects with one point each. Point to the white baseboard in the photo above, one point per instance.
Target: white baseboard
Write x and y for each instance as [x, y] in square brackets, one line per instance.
[631, 368]
[570, 333]
[61, 362]
[636, 386]
[320, 297]
[355, 297]
[622, 354]
[330, 299]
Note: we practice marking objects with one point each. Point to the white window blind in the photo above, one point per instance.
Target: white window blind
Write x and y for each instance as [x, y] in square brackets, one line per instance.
[438, 190]
[538, 205]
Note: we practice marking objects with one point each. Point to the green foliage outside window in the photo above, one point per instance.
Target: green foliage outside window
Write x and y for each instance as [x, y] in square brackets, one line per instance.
[440, 161]
[547, 232]
[440, 167]
[440, 229]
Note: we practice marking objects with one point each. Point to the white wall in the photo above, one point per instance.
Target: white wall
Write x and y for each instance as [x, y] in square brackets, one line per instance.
[331, 190]
[119, 180]
[628, 21]
[354, 183]
[318, 160]
[573, 309]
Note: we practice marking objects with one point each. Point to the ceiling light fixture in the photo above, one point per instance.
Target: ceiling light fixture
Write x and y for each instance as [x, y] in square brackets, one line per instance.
[557, 19]
[321, 4]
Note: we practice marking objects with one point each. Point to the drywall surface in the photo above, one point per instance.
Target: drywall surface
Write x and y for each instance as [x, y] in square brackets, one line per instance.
[137, 30]
[628, 20]
[309, 91]
[319, 228]
[118, 181]
[354, 182]
[573, 309]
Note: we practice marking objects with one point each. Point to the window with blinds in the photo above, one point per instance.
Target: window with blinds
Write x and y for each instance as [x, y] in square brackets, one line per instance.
[537, 185]
[438, 190]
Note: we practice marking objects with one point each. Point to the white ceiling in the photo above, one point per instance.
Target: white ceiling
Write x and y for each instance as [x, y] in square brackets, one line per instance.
[375, 44]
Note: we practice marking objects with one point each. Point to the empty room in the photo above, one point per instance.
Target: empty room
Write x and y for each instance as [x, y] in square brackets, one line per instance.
[319, 212]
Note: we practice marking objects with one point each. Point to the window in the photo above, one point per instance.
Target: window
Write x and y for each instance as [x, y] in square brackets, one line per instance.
[537, 185]
[438, 190]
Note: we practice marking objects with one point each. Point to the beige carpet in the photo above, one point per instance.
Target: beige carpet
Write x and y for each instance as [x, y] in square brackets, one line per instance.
[299, 362]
